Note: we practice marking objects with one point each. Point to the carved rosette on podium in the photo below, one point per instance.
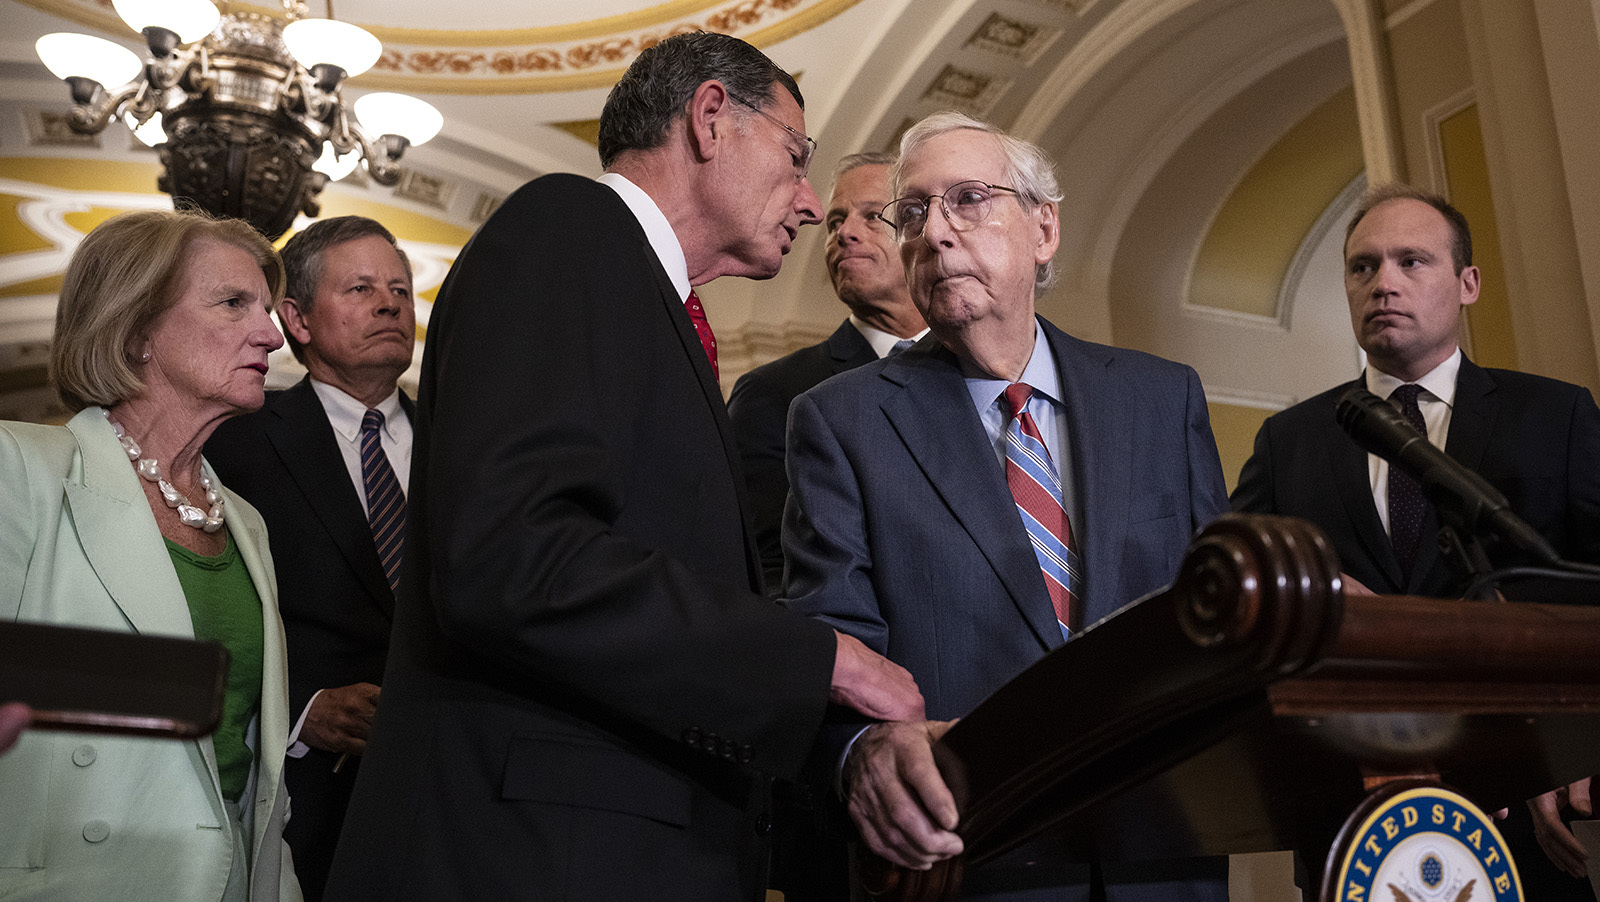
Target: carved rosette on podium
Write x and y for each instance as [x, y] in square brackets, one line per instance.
[1253, 707]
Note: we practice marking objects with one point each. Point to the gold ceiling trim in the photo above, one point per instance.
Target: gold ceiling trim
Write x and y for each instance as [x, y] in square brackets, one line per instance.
[88, 14]
[583, 66]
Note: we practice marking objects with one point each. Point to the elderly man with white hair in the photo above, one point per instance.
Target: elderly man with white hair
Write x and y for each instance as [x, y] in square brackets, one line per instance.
[966, 507]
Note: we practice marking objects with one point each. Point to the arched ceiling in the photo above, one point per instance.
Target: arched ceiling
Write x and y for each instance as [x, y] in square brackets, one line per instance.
[1118, 91]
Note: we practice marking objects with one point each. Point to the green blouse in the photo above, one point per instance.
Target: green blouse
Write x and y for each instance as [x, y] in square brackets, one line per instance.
[225, 608]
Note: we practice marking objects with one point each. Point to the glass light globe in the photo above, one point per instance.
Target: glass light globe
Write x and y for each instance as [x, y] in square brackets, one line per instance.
[151, 133]
[67, 55]
[335, 166]
[191, 20]
[384, 113]
[350, 47]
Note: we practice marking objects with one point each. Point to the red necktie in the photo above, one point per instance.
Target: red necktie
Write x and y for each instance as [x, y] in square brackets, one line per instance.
[702, 328]
[1031, 475]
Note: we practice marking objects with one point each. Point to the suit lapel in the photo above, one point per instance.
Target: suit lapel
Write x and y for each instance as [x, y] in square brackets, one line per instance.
[301, 436]
[1472, 421]
[934, 417]
[848, 348]
[712, 392]
[119, 533]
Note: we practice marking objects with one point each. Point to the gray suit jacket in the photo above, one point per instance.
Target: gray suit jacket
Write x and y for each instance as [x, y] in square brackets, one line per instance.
[902, 532]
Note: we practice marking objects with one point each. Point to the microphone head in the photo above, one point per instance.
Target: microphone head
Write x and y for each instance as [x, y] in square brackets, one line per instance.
[1374, 423]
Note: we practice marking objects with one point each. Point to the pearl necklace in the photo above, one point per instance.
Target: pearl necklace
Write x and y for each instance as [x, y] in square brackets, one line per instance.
[150, 471]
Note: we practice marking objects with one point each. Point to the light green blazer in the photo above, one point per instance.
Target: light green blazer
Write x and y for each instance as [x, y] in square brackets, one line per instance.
[86, 816]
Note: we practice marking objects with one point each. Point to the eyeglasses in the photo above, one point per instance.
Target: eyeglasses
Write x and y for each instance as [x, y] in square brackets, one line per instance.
[808, 146]
[966, 204]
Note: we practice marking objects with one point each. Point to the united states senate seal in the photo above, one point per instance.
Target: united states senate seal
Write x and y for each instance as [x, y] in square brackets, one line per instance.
[1421, 843]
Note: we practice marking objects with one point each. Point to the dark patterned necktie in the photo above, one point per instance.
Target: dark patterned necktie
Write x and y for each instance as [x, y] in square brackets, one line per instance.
[1407, 506]
[1036, 486]
[702, 328]
[386, 504]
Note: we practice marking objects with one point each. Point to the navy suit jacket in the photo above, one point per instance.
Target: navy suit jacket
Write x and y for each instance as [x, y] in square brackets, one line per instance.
[336, 604]
[585, 686]
[1535, 439]
[759, 409]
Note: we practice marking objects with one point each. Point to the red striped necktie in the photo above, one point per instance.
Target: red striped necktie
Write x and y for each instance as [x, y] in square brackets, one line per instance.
[386, 504]
[1036, 486]
[702, 328]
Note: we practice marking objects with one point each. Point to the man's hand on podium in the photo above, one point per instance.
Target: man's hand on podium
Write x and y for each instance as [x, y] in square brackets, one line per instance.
[897, 798]
[866, 681]
[1559, 844]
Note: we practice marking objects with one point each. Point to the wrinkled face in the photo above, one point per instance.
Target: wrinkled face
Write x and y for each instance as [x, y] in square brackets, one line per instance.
[986, 271]
[764, 195]
[861, 254]
[1405, 295]
[363, 318]
[210, 347]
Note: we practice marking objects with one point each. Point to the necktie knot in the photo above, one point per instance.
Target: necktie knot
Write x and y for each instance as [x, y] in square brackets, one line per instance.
[1016, 398]
[371, 421]
[900, 346]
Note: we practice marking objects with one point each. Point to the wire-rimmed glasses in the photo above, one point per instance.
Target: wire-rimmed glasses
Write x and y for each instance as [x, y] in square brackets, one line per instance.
[965, 205]
[808, 146]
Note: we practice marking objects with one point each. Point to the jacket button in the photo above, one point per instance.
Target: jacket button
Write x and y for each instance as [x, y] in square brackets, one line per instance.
[692, 737]
[746, 753]
[83, 755]
[96, 831]
[728, 749]
[763, 825]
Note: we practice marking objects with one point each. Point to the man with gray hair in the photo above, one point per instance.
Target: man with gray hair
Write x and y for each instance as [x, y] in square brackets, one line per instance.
[587, 693]
[970, 505]
[349, 316]
[864, 265]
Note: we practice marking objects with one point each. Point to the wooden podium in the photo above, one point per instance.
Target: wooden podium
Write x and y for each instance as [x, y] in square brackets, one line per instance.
[1252, 706]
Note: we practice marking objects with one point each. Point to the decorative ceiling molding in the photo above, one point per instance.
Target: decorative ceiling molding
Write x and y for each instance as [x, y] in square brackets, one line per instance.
[587, 63]
[1013, 38]
[570, 57]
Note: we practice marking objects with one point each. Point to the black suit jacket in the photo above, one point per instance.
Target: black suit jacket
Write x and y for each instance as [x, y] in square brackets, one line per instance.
[1535, 439]
[585, 682]
[336, 604]
[759, 409]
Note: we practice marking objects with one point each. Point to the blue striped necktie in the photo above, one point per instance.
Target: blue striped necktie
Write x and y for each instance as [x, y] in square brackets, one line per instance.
[1036, 486]
[386, 504]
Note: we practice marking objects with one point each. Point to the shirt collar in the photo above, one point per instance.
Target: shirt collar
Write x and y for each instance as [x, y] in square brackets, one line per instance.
[345, 412]
[882, 342]
[657, 230]
[1040, 373]
[1439, 382]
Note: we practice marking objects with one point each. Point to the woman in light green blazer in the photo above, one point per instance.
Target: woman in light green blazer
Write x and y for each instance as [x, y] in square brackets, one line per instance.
[162, 332]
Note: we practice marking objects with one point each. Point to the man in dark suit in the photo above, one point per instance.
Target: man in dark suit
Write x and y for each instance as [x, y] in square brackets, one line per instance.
[905, 522]
[864, 266]
[350, 318]
[1408, 276]
[587, 689]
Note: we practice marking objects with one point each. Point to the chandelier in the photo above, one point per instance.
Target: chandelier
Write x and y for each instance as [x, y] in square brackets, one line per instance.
[246, 110]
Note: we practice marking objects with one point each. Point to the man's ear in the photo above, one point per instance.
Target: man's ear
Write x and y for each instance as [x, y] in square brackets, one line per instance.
[709, 118]
[1470, 283]
[1049, 232]
[294, 322]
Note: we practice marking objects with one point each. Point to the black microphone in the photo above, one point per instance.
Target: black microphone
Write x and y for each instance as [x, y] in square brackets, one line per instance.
[1452, 487]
